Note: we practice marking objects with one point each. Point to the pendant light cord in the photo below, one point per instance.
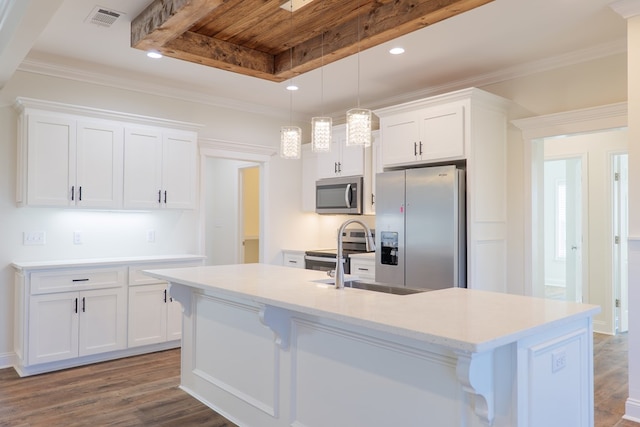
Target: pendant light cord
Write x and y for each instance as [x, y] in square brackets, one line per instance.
[358, 20]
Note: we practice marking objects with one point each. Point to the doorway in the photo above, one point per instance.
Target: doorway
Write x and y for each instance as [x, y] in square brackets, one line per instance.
[249, 210]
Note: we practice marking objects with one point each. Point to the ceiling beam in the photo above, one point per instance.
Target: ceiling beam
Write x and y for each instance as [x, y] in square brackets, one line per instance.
[164, 20]
[169, 26]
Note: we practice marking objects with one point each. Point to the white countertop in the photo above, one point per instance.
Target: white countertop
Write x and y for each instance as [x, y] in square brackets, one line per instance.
[93, 262]
[461, 319]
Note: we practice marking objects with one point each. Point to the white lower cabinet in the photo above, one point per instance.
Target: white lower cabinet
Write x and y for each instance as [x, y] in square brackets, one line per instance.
[293, 258]
[75, 313]
[72, 324]
[154, 316]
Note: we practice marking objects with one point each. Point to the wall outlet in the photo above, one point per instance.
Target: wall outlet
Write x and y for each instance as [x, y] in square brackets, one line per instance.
[77, 238]
[151, 236]
[34, 238]
[558, 360]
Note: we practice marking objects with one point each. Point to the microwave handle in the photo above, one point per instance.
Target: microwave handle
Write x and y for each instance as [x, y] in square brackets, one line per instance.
[347, 196]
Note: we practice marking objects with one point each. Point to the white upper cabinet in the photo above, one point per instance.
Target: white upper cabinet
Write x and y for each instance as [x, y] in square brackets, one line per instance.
[160, 169]
[426, 135]
[71, 156]
[72, 162]
[342, 160]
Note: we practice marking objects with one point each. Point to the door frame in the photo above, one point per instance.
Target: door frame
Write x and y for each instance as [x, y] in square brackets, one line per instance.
[261, 155]
[534, 130]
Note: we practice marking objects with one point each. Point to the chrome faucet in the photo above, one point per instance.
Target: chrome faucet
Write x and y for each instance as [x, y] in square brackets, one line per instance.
[371, 246]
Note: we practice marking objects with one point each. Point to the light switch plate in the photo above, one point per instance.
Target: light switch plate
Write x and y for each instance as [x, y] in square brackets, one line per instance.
[77, 238]
[34, 238]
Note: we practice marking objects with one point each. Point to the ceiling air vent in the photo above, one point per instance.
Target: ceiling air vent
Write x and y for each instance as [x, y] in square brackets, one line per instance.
[103, 17]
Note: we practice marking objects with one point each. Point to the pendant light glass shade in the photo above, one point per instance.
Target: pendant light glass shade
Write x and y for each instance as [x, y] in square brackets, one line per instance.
[290, 142]
[321, 134]
[359, 127]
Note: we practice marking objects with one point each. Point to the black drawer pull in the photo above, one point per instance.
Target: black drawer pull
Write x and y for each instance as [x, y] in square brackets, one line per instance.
[80, 280]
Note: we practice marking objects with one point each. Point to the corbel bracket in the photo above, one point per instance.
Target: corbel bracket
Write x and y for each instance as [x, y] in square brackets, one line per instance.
[475, 372]
[279, 321]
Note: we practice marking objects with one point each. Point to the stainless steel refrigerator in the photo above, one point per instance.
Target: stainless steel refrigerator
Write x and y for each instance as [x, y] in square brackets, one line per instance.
[421, 228]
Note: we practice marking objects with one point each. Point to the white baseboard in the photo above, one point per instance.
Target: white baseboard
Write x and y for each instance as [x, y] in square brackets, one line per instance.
[7, 360]
[632, 410]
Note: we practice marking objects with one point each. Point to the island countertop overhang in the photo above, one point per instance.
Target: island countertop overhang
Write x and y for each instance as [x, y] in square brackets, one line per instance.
[460, 319]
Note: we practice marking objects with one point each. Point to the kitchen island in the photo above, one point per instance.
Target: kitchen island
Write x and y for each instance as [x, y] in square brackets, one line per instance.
[266, 345]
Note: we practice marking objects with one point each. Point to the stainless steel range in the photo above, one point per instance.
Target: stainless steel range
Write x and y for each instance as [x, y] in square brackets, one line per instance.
[353, 242]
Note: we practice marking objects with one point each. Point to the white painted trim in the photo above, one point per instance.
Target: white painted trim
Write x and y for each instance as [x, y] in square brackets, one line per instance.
[626, 8]
[7, 360]
[632, 410]
[96, 113]
[61, 70]
[533, 130]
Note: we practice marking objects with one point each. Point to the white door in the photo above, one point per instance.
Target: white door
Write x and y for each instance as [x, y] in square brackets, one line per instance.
[53, 327]
[399, 135]
[103, 321]
[564, 209]
[179, 170]
[147, 314]
[51, 160]
[441, 133]
[99, 165]
[621, 235]
[142, 168]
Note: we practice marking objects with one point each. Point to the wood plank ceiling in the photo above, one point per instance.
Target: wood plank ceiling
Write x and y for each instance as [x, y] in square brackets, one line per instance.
[261, 39]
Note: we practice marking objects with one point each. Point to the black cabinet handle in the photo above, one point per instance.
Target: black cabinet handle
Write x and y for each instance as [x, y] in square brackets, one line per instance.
[373, 199]
[73, 192]
[80, 193]
[83, 305]
[165, 197]
[80, 280]
[421, 148]
[335, 167]
[415, 148]
[76, 306]
[165, 296]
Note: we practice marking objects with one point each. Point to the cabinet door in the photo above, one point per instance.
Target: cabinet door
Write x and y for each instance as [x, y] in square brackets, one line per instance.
[400, 134]
[142, 168]
[147, 314]
[99, 165]
[174, 320]
[442, 132]
[352, 160]
[51, 160]
[179, 170]
[103, 321]
[327, 163]
[53, 327]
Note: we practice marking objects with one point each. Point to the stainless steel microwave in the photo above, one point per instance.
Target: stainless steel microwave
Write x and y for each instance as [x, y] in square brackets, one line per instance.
[341, 195]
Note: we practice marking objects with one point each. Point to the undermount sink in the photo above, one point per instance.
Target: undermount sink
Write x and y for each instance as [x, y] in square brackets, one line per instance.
[376, 287]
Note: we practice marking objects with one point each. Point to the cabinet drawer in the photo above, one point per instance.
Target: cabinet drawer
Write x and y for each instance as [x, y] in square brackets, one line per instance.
[137, 277]
[363, 269]
[77, 279]
[293, 260]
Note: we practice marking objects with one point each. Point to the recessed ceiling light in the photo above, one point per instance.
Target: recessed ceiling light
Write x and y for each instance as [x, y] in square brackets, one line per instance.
[154, 54]
[396, 51]
[292, 87]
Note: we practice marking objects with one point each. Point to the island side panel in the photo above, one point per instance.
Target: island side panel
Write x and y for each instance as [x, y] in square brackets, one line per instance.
[555, 377]
[230, 360]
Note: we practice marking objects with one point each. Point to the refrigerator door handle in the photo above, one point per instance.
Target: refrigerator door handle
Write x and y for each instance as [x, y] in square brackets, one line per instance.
[347, 195]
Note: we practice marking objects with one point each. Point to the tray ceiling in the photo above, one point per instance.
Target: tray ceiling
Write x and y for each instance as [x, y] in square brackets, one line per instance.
[260, 38]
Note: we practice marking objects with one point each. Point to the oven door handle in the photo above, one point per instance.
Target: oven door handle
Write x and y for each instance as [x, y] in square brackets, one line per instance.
[320, 258]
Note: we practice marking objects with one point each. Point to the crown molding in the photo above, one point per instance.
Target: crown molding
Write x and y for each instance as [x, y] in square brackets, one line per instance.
[584, 55]
[626, 8]
[235, 150]
[36, 66]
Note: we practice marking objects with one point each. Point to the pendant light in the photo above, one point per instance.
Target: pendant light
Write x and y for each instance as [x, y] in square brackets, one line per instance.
[291, 136]
[359, 119]
[321, 126]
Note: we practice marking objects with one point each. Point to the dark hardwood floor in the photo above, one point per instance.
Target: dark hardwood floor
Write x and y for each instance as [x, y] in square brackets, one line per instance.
[143, 391]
